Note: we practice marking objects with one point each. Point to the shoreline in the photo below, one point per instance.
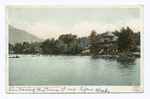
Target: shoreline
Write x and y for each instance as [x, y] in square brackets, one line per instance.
[120, 55]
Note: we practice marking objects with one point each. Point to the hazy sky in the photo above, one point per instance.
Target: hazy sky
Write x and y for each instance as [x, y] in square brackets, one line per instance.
[52, 22]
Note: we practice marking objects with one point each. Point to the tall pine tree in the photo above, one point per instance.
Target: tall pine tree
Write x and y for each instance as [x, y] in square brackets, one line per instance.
[94, 40]
[126, 40]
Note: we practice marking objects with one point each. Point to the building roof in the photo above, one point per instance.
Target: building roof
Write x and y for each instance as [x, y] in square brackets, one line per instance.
[109, 37]
[109, 34]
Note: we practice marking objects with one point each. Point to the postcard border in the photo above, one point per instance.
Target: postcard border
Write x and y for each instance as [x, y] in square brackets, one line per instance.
[110, 89]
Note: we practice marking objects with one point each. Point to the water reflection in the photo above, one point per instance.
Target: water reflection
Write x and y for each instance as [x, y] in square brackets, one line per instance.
[74, 70]
[121, 62]
[94, 57]
[126, 63]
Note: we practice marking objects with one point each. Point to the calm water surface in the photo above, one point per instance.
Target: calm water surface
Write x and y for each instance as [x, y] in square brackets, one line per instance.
[73, 70]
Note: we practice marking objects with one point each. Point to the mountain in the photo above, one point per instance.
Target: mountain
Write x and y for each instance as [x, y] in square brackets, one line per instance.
[19, 36]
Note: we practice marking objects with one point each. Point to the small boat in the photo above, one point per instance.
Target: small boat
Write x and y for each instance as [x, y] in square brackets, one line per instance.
[14, 57]
[17, 56]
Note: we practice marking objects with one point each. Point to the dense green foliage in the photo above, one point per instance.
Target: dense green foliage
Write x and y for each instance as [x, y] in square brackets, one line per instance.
[94, 40]
[67, 44]
[137, 36]
[126, 40]
[11, 47]
[34, 48]
[70, 44]
[26, 45]
[116, 33]
[49, 46]
[18, 48]
[26, 48]
[68, 39]
[84, 42]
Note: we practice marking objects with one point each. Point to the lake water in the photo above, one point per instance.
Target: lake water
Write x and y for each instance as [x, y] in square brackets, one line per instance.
[73, 70]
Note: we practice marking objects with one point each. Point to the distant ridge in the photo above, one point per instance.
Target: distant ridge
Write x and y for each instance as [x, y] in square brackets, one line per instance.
[19, 36]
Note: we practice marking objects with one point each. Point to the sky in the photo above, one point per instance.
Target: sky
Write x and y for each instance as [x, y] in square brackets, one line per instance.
[51, 22]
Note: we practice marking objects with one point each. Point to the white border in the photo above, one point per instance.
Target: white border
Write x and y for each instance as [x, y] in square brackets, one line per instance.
[112, 89]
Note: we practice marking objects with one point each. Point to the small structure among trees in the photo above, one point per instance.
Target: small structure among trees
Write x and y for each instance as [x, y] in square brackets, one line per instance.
[123, 41]
[108, 43]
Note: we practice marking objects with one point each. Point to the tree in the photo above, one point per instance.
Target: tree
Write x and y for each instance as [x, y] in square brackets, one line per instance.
[116, 33]
[34, 48]
[126, 40]
[83, 42]
[49, 46]
[62, 47]
[46, 46]
[137, 36]
[11, 47]
[68, 39]
[76, 49]
[18, 48]
[26, 47]
[94, 40]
